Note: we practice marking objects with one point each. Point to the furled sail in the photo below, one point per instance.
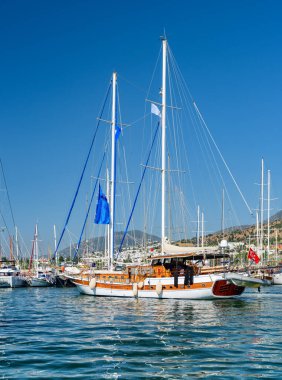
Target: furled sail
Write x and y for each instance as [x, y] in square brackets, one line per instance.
[102, 209]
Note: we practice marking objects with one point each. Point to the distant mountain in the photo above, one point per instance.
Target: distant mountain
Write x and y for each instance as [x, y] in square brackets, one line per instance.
[133, 238]
[276, 217]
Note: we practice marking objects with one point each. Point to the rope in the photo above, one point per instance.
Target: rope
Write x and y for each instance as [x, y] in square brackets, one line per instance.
[219, 152]
[88, 210]
[82, 174]
[10, 205]
[139, 187]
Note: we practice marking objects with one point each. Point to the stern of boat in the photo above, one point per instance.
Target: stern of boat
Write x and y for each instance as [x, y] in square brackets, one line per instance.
[226, 289]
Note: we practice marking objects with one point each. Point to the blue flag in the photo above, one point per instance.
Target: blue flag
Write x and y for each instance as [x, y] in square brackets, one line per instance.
[102, 209]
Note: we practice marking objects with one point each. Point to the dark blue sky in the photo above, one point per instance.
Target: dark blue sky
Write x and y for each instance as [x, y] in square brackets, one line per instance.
[57, 58]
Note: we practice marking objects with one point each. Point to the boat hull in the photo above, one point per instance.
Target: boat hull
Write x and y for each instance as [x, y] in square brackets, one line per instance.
[160, 288]
[4, 283]
[12, 282]
[246, 281]
[38, 283]
[277, 279]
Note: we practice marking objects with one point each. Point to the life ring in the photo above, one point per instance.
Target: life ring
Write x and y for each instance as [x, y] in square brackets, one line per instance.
[135, 289]
[92, 284]
[159, 288]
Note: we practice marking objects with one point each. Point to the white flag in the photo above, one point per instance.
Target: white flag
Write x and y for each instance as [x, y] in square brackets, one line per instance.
[155, 110]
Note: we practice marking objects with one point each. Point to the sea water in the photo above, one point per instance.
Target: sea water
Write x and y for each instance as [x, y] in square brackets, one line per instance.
[57, 333]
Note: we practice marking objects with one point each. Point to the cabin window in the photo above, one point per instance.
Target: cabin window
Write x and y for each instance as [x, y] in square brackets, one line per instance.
[156, 262]
[167, 261]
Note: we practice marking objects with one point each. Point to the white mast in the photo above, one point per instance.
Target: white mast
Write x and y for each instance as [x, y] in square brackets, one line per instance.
[112, 203]
[36, 250]
[268, 210]
[169, 204]
[257, 229]
[202, 230]
[17, 243]
[261, 205]
[222, 215]
[198, 226]
[107, 240]
[164, 42]
[55, 243]
[276, 246]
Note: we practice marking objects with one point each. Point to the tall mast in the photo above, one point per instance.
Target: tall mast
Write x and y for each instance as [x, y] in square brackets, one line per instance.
[198, 226]
[169, 204]
[202, 230]
[261, 204]
[70, 253]
[17, 243]
[36, 249]
[257, 229]
[268, 210]
[113, 167]
[55, 243]
[11, 249]
[276, 246]
[86, 227]
[107, 240]
[222, 215]
[164, 43]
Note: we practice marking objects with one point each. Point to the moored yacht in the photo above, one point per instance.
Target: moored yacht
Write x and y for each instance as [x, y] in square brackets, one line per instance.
[38, 278]
[171, 275]
[10, 276]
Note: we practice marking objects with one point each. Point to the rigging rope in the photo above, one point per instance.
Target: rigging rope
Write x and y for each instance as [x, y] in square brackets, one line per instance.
[82, 174]
[219, 152]
[7, 192]
[139, 187]
[88, 210]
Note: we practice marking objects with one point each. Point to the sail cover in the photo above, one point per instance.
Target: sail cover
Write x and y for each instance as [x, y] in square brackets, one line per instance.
[170, 248]
[102, 210]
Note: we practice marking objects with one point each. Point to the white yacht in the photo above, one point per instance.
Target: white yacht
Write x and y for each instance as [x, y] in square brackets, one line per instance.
[10, 277]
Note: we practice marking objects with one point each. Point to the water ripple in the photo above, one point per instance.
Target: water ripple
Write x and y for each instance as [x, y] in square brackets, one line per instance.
[60, 334]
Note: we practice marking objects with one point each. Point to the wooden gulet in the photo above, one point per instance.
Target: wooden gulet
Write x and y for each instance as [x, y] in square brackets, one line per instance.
[174, 276]
[158, 280]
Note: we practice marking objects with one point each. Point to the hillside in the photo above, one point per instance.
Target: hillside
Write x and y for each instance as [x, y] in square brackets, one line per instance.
[134, 238]
[247, 234]
[277, 216]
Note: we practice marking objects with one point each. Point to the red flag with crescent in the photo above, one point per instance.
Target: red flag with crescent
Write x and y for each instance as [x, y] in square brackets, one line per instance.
[253, 256]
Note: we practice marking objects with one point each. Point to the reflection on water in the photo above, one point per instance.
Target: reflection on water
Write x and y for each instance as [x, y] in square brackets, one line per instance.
[51, 332]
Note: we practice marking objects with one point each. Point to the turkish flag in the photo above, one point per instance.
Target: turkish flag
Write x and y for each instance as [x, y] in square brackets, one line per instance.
[253, 256]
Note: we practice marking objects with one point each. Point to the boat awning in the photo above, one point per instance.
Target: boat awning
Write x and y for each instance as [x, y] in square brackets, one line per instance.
[192, 255]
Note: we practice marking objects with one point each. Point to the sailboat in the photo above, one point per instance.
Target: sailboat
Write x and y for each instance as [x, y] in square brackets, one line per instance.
[10, 273]
[38, 278]
[173, 275]
[266, 267]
